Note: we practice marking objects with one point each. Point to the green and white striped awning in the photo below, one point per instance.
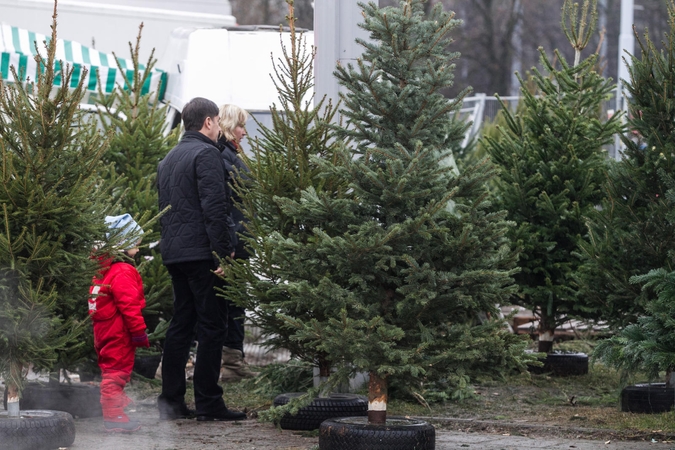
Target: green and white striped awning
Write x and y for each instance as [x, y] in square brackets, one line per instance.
[17, 49]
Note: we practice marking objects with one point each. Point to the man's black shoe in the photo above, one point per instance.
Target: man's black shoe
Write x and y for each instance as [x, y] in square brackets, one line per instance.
[168, 411]
[225, 416]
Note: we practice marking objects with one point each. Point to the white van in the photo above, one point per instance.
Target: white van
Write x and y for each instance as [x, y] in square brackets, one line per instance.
[227, 65]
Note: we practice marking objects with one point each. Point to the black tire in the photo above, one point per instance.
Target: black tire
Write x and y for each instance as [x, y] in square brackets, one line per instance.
[36, 430]
[146, 365]
[647, 398]
[321, 408]
[563, 364]
[356, 434]
[80, 400]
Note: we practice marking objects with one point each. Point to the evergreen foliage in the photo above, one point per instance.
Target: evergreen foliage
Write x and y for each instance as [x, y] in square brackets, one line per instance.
[552, 166]
[630, 234]
[647, 346]
[52, 204]
[282, 166]
[400, 264]
[136, 123]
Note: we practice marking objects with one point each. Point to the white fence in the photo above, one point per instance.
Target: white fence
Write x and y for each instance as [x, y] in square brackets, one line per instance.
[482, 108]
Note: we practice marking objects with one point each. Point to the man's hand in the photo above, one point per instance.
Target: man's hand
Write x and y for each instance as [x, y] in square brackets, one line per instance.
[219, 271]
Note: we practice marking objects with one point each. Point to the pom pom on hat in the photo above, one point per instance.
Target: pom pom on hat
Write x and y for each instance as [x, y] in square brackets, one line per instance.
[124, 229]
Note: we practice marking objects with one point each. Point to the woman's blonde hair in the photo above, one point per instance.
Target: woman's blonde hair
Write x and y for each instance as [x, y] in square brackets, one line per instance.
[231, 116]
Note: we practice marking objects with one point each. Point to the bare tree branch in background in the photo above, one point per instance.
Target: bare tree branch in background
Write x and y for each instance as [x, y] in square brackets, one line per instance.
[485, 40]
[272, 12]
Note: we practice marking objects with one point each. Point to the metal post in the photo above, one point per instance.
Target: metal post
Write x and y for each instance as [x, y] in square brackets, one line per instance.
[602, 25]
[335, 30]
[517, 42]
[626, 45]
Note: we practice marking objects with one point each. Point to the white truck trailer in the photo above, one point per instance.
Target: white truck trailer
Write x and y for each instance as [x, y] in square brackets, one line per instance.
[109, 25]
[226, 65]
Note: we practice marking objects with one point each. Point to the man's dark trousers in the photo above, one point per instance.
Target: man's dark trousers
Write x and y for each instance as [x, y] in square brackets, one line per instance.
[195, 303]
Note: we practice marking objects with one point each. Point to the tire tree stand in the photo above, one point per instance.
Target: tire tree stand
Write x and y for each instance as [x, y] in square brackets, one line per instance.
[322, 408]
[36, 430]
[648, 398]
[376, 432]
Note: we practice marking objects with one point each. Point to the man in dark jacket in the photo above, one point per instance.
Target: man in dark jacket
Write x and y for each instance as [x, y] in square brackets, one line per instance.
[191, 179]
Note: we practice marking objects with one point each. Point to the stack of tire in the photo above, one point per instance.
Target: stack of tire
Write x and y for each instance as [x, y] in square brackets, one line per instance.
[343, 425]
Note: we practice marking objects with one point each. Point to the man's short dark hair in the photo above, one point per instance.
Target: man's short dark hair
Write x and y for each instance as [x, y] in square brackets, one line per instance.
[196, 111]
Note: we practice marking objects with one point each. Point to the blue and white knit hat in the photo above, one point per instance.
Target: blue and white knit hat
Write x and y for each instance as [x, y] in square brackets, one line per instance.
[124, 230]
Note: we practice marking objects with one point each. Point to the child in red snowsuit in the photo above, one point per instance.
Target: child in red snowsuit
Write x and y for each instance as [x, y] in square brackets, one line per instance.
[115, 303]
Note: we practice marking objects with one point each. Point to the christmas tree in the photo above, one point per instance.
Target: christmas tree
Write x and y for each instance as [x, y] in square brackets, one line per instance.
[629, 234]
[648, 345]
[284, 162]
[136, 122]
[52, 205]
[552, 166]
[401, 264]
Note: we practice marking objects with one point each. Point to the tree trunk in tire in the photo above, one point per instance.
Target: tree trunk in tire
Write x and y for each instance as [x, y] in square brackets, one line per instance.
[12, 392]
[377, 399]
[545, 342]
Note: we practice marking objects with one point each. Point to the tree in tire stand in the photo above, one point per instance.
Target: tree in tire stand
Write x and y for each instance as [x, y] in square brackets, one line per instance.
[630, 234]
[404, 261]
[642, 188]
[552, 165]
[647, 346]
[52, 205]
[284, 162]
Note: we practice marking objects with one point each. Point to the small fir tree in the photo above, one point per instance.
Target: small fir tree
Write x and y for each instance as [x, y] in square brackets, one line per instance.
[552, 162]
[52, 205]
[402, 262]
[630, 235]
[647, 346]
[281, 167]
[136, 122]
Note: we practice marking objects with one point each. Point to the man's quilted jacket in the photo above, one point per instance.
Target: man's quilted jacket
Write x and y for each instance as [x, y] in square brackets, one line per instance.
[191, 178]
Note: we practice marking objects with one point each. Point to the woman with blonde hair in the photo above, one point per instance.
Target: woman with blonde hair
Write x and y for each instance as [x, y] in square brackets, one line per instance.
[232, 131]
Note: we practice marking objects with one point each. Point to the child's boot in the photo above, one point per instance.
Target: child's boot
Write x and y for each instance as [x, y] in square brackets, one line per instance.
[119, 425]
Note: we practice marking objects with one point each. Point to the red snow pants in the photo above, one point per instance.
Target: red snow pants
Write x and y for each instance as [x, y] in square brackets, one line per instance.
[116, 360]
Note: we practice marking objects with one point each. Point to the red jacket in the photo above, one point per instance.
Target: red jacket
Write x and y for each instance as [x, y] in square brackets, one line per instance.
[118, 288]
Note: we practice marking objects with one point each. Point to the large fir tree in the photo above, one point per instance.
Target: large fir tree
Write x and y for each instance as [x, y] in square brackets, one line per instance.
[136, 122]
[400, 264]
[552, 164]
[52, 204]
[629, 234]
